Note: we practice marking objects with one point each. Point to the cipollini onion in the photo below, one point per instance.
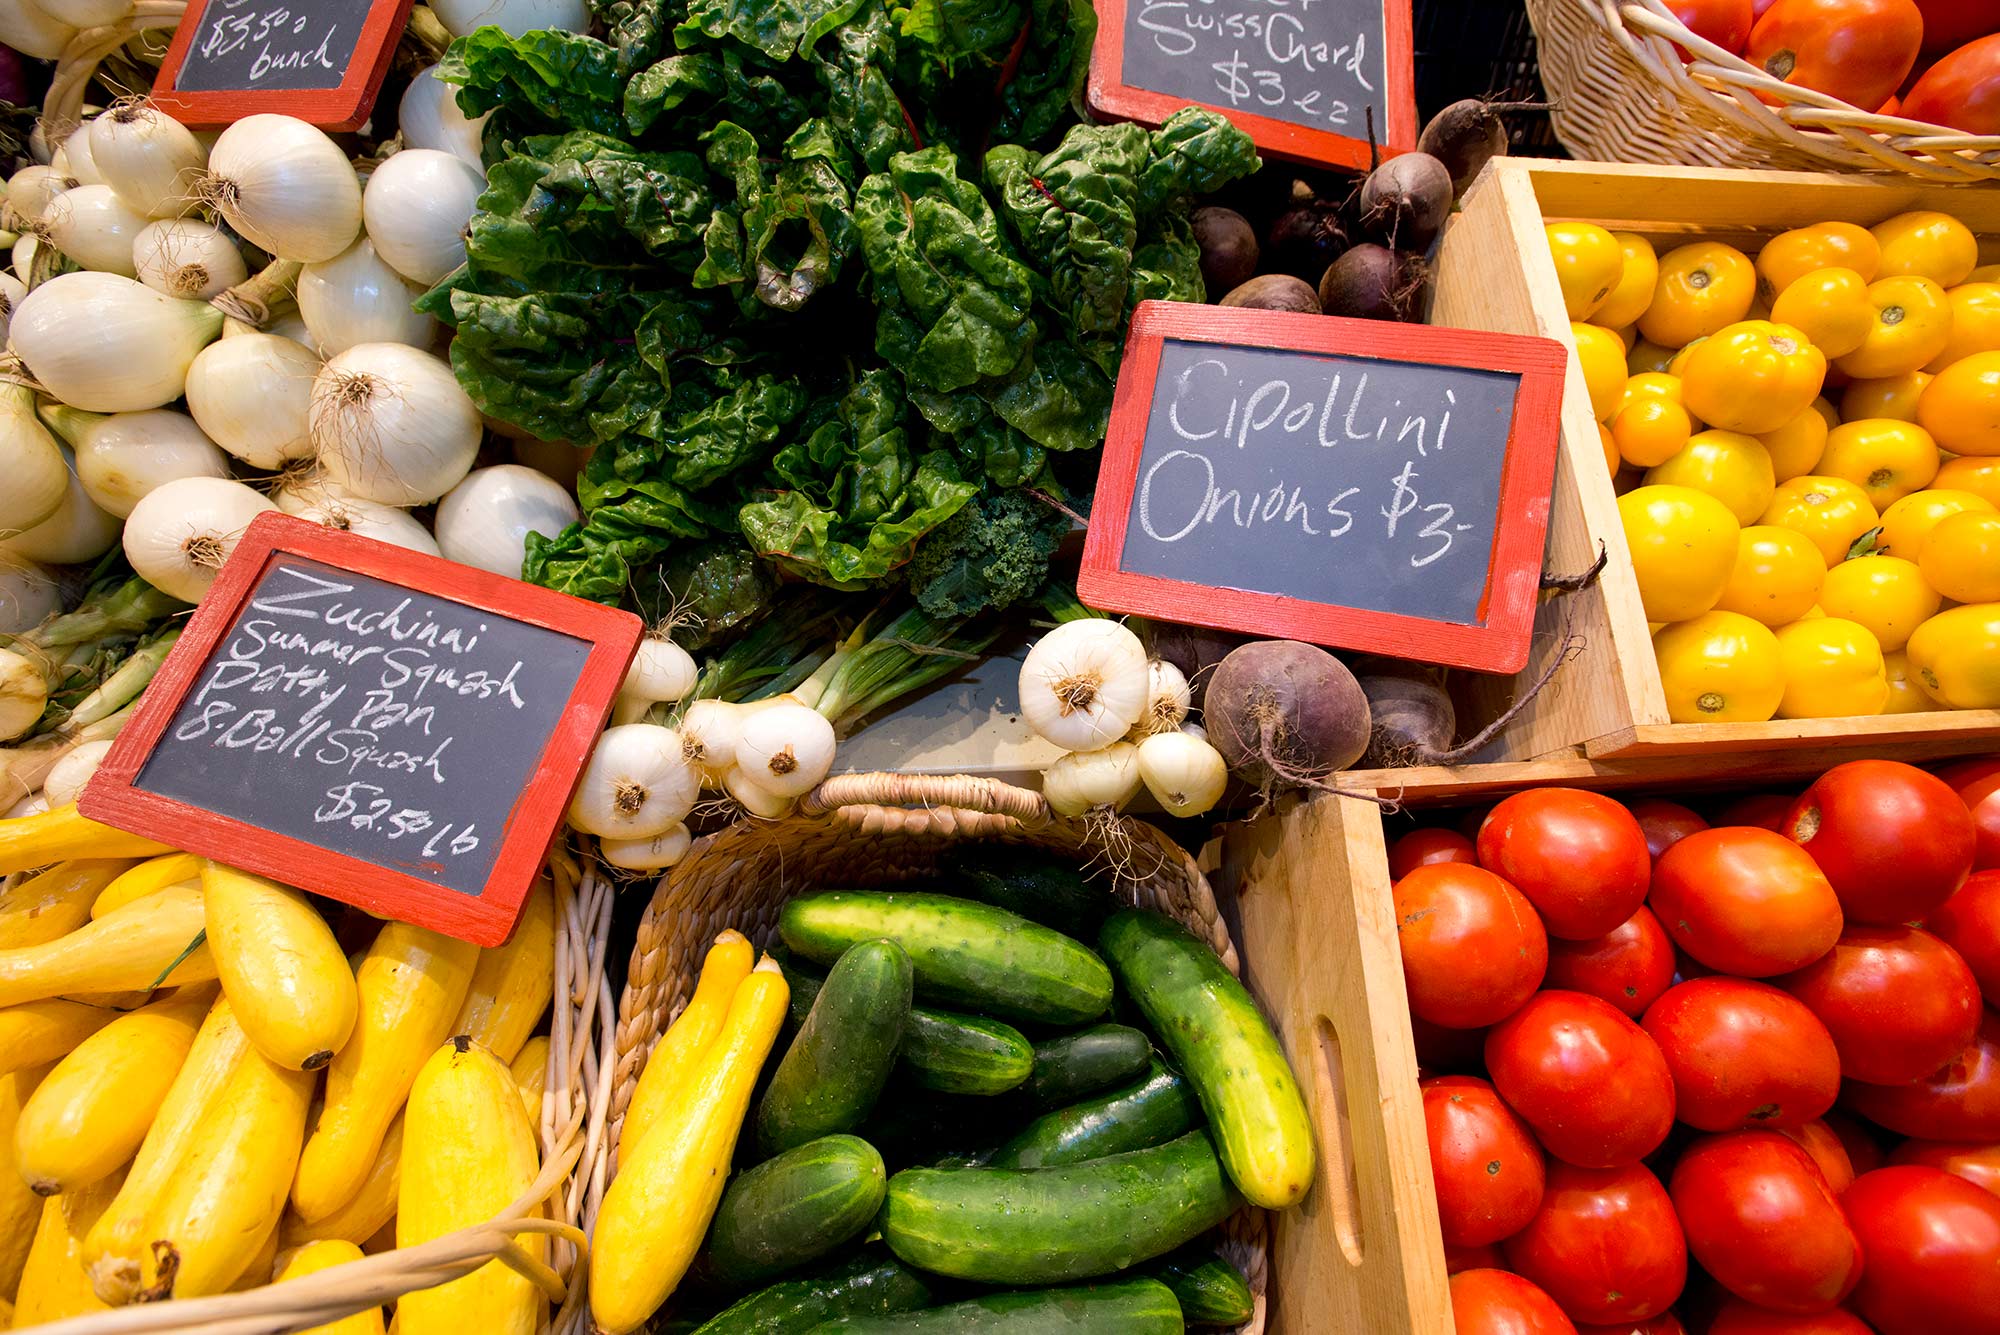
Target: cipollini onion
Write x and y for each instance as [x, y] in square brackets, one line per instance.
[513, 17]
[29, 594]
[251, 394]
[1185, 775]
[22, 258]
[485, 520]
[415, 210]
[1167, 698]
[24, 694]
[179, 535]
[291, 325]
[30, 189]
[708, 738]
[1080, 780]
[786, 749]
[635, 785]
[661, 671]
[29, 30]
[356, 298]
[187, 258]
[285, 187]
[75, 158]
[758, 801]
[122, 457]
[94, 227]
[430, 118]
[67, 776]
[1083, 685]
[12, 290]
[85, 14]
[33, 478]
[390, 423]
[108, 344]
[78, 531]
[330, 508]
[655, 854]
[152, 160]
[34, 804]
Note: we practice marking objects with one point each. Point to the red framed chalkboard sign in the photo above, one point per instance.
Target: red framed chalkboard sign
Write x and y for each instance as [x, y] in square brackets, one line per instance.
[1354, 483]
[1300, 79]
[322, 61]
[380, 726]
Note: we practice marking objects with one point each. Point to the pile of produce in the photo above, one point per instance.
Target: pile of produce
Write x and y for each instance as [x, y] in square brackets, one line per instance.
[916, 1117]
[1747, 1073]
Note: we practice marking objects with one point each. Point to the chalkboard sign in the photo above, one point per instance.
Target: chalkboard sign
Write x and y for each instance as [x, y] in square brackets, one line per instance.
[319, 60]
[1366, 485]
[387, 728]
[1301, 77]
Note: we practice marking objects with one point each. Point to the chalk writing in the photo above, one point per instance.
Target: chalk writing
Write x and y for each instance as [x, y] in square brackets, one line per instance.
[1316, 63]
[255, 44]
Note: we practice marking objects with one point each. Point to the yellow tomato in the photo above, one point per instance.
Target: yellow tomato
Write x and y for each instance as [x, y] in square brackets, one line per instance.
[1975, 323]
[1721, 667]
[1751, 377]
[1985, 273]
[1931, 245]
[1906, 696]
[1649, 385]
[1885, 458]
[1789, 256]
[1628, 336]
[1912, 325]
[1961, 557]
[1831, 511]
[1610, 448]
[1647, 356]
[1887, 594]
[1702, 288]
[1678, 365]
[1956, 656]
[1777, 576]
[1827, 412]
[1832, 668]
[1602, 357]
[1683, 545]
[1733, 468]
[1796, 447]
[1651, 430]
[1830, 306]
[1892, 396]
[1634, 291]
[1961, 406]
[1909, 521]
[1589, 264]
[1981, 477]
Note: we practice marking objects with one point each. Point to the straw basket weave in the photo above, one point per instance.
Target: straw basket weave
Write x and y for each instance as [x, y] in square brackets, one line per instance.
[1624, 94]
[874, 829]
[565, 1194]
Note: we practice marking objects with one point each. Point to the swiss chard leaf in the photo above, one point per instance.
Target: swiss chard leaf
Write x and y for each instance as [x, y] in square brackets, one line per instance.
[538, 81]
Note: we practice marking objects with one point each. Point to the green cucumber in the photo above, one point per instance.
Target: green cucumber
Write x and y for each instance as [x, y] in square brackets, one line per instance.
[1211, 1291]
[794, 1209]
[835, 1068]
[1087, 1062]
[1037, 885]
[1129, 1307]
[958, 1054]
[871, 1284]
[1207, 1021]
[966, 955]
[1053, 1225]
[1151, 1112]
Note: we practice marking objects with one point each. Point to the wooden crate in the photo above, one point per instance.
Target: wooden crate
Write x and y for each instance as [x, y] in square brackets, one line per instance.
[1494, 272]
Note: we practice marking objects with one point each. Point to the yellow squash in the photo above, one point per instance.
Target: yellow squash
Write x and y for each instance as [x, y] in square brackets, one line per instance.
[132, 949]
[20, 1208]
[261, 1267]
[372, 1207]
[36, 841]
[48, 905]
[55, 1285]
[531, 1076]
[149, 876]
[36, 1033]
[674, 1056]
[90, 1114]
[511, 984]
[324, 1255]
[468, 1154]
[283, 971]
[412, 982]
[659, 1206]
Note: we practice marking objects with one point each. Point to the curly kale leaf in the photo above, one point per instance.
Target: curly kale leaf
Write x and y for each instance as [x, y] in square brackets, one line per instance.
[990, 555]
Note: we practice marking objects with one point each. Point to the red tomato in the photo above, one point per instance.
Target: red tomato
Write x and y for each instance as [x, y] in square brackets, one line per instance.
[1855, 50]
[1665, 823]
[1962, 90]
[1666, 1323]
[1933, 1245]
[1766, 811]
[1950, 24]
[1629, 966]
[1736, 1317]
[1579, 857]
[1724, 22]
[1960, 1102]
[1762, 1220]
[1442, 1051]
[1969, 922]
[1823, 1144]
[1893, 840]
[1959, 773]
[1892, 107]
[1743, 1055]
[1472, 1258]
[1982, 798]
[1590, 1082]
[1899, 1002]
[1864, 1152]
[1977, 1164]
[1605, 1244]
[1745, 901]
[1473, 949]
[1493, 1302]
[1487, 1167]
[1420, 848]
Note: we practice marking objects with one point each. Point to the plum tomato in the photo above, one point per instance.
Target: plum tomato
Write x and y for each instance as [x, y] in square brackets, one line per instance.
[1962, 90]
[1724, 22]
[1605, 1244]
[1978, 1164]
[1493, 1302]
[1484, 1160]
[1665, 823]
[1666, 1323]
[1473, 947]
[1893, 840]
[1982, 798]
[1968, 922]
[1629, 966]
[1899, 1002]
[1745, 901]
[1579, 857]
[1591, 1083]
[1743, 1055]
[1933, 1246]
[1855, 50]
[1736, 1317]
[1762, 1220]
[1420, 848]
[1472, 1258]
[1864, 1151]
[1823, 1143]
[1959, 1102]
[1766, 811]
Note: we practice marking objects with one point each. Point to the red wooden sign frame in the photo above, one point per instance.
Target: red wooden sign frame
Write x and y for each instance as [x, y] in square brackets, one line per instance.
[487, 918]
[1111, 97]
[1499, 642]
[346, 107]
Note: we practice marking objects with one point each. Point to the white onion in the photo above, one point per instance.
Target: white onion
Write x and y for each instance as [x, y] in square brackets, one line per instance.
[635, 785]
[357, 298]
[1185, 775]
[68, 775]
[430, 118]
[24, 694]
[122, 457]
[1167, 699]
[755, 800]
[1084, 684]
[285, 187]
[661, 671]
[152, 160]
[78, 531]
[178, 536]
[514, 17]
[251, 394]
[23, 257]
[76, 159]
[30, 189]
[330, 508]
[654, 854]
[94, 227]
[708, 738]
[415, 210]
[12, 290]
[292, 325]
[187, 258]
[1081, 780]
[785, 749]
[85, 14]
[29, 30]
[33, 478]
[109, 344]
[391, 424]
[29, 594]
[485, 520]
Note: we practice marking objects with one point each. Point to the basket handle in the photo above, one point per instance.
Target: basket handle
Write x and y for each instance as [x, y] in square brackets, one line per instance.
[961, 791]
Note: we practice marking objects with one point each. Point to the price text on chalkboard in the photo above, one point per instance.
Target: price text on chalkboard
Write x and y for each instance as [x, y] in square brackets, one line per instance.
[320, 60]
[375, 709]
[1359, 484]
[1302, 77]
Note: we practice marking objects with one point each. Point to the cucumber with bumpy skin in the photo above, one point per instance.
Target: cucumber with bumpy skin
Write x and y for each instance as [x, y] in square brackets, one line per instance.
[1037, 885]
[1151, 1112]
[835, 1068]
[955, 1054]
[1090, 1061]
[1129, 1307]
[794, 1209]
[1211, 1291]
[868, 1285]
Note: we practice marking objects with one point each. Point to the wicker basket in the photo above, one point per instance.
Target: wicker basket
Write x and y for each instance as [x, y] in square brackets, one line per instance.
[868, 829]
[1623, 93]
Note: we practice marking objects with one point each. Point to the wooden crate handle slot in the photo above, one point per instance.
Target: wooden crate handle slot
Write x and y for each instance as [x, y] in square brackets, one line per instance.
[1334, 1130]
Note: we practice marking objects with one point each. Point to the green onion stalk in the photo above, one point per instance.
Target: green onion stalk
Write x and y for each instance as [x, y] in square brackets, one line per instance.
[83, 666]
